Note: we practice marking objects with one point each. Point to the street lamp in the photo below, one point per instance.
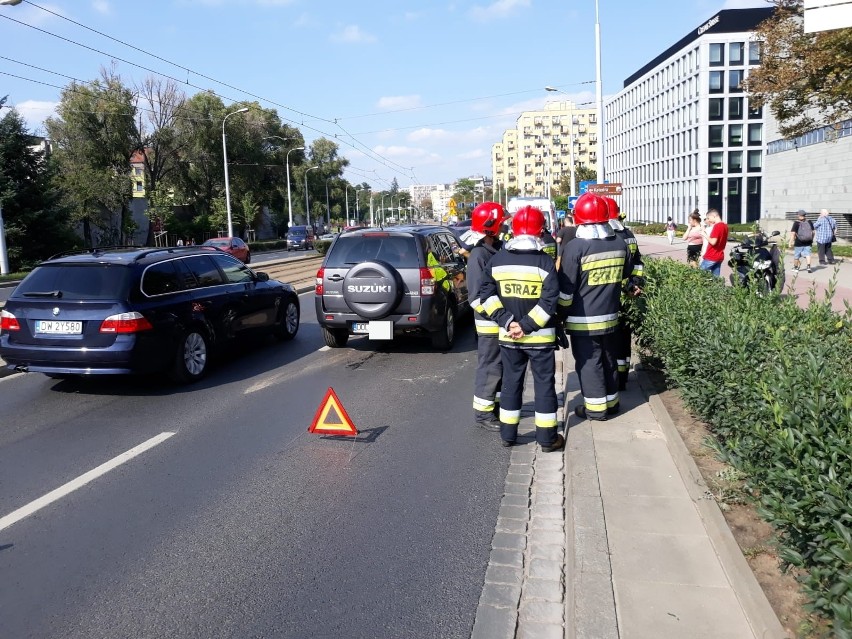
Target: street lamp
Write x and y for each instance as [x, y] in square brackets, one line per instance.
[225, 155]
[289, 198]
[307, 201]
[599, 98]
[327, 205]
[570, 139]
[357, 205]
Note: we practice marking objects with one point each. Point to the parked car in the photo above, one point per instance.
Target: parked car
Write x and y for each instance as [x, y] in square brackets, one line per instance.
[300, 237]
[232, 246]
[387, 282]
[139, 310]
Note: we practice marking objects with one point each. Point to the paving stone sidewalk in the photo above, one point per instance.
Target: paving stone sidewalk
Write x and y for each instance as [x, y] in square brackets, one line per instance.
[616, 538]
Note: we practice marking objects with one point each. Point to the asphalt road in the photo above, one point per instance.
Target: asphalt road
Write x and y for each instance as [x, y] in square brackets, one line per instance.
[242, 524]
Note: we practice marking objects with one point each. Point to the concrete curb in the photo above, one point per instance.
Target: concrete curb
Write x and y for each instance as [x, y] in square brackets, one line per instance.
[759, 613]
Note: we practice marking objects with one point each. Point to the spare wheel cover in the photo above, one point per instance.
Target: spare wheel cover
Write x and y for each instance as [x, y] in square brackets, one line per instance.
[372, 289]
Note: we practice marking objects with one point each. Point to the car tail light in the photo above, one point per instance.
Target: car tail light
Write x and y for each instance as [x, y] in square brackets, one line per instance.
[126, 323]
[320, 275]
[8, 322]
[427, 282]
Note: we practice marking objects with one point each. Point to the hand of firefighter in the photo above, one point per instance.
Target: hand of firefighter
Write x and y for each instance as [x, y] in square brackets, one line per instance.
[515, 330]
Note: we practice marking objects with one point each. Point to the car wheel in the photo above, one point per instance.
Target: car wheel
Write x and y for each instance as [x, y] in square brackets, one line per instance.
[444, 338]
[288, 325]
[191, 358]
[335, 337]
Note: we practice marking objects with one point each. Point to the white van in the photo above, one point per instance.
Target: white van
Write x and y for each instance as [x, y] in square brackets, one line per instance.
[515, 204]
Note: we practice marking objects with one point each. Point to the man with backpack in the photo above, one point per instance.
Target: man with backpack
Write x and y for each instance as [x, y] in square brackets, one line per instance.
[801, 237]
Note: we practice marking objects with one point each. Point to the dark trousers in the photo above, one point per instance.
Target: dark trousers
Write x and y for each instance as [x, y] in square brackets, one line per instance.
[824, 251]
[489, 373]
[624, 344]
[597, 369]
[543, 365]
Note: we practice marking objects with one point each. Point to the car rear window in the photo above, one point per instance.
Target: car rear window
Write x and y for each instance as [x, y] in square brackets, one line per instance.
[222, 243]
[76, 282]
[296, 230]
[397, 250]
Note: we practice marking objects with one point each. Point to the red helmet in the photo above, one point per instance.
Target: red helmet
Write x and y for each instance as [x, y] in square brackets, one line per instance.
[487, 218]
[528, 221]
[612, 207]
[590, 209]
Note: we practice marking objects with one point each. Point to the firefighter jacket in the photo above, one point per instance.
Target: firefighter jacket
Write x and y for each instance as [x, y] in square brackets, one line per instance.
[478, 259]
[593, 267]
[637, 272]
[549, 244]
[520, 284]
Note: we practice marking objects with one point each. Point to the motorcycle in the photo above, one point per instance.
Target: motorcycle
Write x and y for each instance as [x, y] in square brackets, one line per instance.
[757, 261]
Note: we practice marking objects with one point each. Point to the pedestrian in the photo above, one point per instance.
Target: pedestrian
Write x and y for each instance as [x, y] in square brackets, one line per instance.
[564, 235]
[520, 291]
[486, 220]
[825, 228]
[801, 237]
[717, 239]
[594, 265]
[624, 335]
[671, 228]
[694, 239]
[180, 241]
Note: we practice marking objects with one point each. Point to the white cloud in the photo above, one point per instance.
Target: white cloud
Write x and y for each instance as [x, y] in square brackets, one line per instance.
[102, 6]
[394, 102]
[424, 134]
[411, 16]
[498, 9]
[472, 155]
[352, 34]
[35, 112]
[305, 20]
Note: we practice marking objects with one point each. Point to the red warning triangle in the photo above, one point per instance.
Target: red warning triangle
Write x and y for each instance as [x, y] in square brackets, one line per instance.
[332, 418]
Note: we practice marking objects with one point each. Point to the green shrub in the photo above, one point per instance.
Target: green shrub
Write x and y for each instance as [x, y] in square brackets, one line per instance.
[267, 245]
[322, 246]
[774, 383]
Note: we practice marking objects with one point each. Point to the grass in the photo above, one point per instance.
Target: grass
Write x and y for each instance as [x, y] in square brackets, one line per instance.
[12, 277]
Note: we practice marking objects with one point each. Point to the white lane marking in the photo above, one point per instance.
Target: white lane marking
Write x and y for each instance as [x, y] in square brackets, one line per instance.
[82, 480]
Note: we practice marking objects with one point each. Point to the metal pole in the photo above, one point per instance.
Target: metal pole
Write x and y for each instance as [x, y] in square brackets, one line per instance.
[4, 258]
[225, 156]
[571, 140]
[601, 138]
[307, 201]
[357, 206]
[289, 198]
[327, 206]
[372, 214]
[346, 186]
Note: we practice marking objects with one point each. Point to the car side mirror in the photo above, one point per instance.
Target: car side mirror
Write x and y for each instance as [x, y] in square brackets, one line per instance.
[260, 276]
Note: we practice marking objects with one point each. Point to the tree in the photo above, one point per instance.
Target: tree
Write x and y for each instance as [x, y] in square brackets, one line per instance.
[581, 174]
[36, 223]
[464, 191]
[94, 136]
[803, 77]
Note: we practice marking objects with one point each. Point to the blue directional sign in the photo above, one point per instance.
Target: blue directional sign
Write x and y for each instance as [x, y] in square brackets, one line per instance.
[584, 186]
[572, 199]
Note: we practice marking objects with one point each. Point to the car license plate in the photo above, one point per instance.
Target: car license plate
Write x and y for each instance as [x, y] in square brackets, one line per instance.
[58, 327]
[361, 327]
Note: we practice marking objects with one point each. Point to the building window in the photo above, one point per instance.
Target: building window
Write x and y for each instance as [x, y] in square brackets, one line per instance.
[735, 161]
[735, 108]
[714, 186]
[717, 109]
[716, 135]
[755, 161]
[735, 80]
[717, 54]
[755, 134]
[139, 187]
[754, 52]
[735, 135]
[715, 162]
[717, 81]
[735, 53]
[755, 113]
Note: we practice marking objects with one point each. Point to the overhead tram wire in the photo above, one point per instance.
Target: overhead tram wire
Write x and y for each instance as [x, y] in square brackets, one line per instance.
[373, 155]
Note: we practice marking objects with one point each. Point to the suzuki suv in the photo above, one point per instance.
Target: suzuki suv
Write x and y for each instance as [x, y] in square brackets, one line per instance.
[139, 310]
[386, 282]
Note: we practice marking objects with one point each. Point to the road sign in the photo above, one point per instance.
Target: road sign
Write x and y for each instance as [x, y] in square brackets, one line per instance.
[605, 189]
[331, 417]
[571, 200]
[584, 185]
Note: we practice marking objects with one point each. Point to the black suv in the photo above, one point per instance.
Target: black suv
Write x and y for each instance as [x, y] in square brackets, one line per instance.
[139, 310]
[385, 282]
[300, 237]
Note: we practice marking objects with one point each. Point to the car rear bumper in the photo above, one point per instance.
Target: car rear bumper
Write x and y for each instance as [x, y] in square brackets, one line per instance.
[127, 354]
[429, 319]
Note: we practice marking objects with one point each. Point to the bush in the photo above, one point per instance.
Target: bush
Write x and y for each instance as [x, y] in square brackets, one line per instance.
[774, 383]
[322, 246]
[267, 245]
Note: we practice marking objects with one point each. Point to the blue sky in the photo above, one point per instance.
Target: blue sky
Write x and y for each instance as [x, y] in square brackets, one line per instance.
[424, 85]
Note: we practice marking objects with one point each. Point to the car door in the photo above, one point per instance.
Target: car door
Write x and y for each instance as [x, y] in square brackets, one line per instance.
[258, 301]
[448, 254]
[219, 302]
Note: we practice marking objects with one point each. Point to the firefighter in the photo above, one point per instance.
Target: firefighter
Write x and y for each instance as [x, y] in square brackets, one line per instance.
[486, 220]
[520, 292]
[637, 279]
[593, 267]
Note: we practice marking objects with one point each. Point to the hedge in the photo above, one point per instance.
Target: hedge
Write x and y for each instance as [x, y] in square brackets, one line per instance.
[774, 383]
